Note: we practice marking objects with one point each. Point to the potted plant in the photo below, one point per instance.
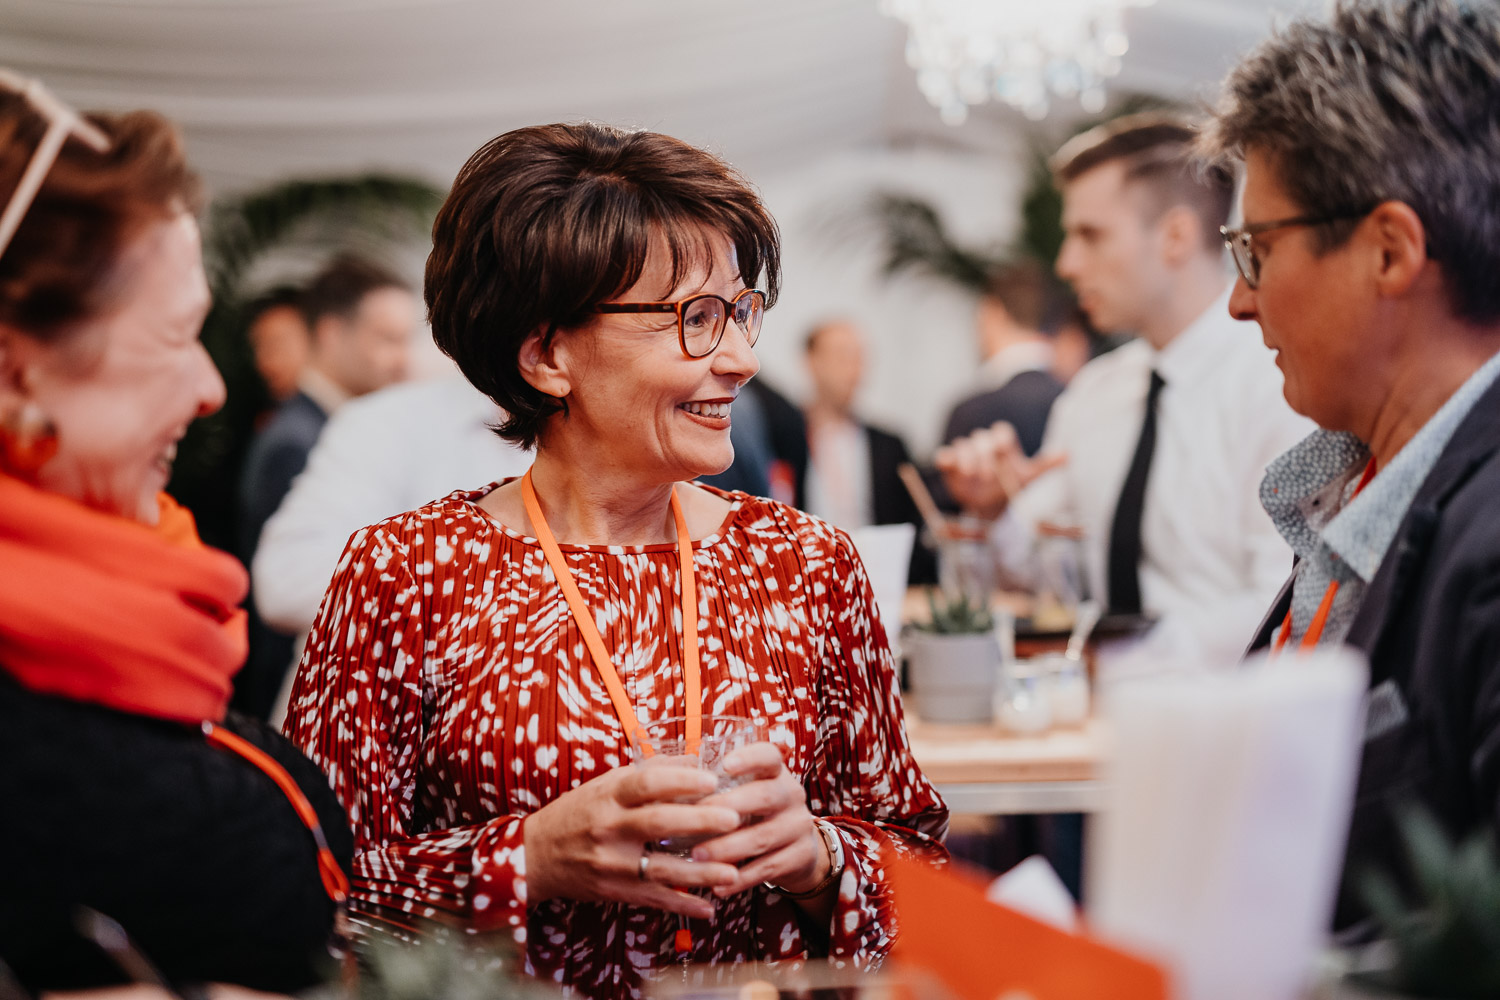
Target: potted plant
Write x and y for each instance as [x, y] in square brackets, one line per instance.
[1443, 939]
[953, 661]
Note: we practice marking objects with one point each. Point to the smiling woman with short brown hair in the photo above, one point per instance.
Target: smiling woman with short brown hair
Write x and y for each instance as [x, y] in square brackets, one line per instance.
[480, 664]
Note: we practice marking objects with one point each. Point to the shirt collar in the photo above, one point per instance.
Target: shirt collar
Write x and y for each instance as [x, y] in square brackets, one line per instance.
[321, 389]
[1362, 532]
[1306, 491]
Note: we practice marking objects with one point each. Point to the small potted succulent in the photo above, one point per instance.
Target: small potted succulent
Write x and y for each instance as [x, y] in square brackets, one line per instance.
[953, 661]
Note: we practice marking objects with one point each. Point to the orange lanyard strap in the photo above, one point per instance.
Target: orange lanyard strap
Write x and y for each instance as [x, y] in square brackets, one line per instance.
[1325, 607]
[335, 882]
[692, 684]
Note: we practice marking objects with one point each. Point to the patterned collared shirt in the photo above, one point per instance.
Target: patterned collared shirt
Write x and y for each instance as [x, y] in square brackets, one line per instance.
[1310, 493]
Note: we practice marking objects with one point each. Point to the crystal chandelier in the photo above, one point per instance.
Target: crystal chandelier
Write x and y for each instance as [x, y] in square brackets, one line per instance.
[1022, 52]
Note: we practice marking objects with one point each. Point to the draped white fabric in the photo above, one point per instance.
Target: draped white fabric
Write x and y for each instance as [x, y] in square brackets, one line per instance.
[266, 88]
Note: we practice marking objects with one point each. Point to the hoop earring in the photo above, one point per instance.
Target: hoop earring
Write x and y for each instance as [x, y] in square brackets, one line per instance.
[28, 440]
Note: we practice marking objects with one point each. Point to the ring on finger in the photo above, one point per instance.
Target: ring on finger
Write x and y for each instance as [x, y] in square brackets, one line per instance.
[642, 865]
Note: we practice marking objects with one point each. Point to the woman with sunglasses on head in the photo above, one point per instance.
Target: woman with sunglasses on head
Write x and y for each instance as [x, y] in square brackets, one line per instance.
[123, 789]
[479, 664]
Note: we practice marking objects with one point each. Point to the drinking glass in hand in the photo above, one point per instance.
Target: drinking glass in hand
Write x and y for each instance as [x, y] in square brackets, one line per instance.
[664, 743]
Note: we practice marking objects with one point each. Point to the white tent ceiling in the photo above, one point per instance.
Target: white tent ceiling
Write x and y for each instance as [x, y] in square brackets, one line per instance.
[267, 88]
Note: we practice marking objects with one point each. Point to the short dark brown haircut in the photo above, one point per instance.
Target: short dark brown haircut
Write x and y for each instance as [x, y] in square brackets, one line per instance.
[547, 222]
[1023, 290]
[62, 267]
[278, 297]
[342, 285]
[1158, 152]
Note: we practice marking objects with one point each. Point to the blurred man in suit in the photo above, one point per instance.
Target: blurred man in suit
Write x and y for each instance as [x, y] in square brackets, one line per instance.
[852, 477]
[363, 320]
[1155, 450]
[1018, 384]
[279, 340]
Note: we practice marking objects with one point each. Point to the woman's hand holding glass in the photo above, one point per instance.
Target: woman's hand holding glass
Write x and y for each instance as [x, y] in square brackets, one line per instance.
[588, 843]
[779, 843]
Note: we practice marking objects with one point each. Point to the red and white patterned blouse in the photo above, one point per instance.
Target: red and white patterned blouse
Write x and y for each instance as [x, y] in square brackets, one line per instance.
[447, 692]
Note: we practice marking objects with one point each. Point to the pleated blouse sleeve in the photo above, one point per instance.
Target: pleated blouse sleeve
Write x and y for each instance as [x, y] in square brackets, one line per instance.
[863, 778]
[357, 709]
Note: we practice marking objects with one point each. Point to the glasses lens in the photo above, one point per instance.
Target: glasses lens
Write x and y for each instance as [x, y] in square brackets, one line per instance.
[702, 324]
[749, 310]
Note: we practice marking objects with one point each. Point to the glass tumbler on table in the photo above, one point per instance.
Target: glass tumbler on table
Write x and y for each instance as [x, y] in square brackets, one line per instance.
[1025, 707]
[1061, 580]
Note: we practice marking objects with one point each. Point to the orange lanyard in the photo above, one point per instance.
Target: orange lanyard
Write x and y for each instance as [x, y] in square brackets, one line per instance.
[692, 684]
[1325, 607]
[335, 882]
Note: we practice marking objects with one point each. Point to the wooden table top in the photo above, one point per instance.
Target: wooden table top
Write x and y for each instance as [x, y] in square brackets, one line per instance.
[973, 754]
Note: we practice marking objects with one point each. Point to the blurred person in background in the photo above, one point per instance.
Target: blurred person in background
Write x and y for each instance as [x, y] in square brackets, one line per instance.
[390, 451]
[479, 665]
[1018, 384]
[1074, 344]
[852, 477]
[769, 434]
[279, 340]
[1369, 255]
[363, 319]
[125, 788]
[1155, 450]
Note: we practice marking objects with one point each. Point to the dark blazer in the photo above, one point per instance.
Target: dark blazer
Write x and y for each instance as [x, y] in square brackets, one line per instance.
[1023, 402]
[1430, 624]
[276, 457]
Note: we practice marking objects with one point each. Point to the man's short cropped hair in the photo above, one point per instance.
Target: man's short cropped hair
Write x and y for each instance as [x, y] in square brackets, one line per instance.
[278, 297]
[1388, 100]
[1158, 151]
[343, 284]
[1024, 290]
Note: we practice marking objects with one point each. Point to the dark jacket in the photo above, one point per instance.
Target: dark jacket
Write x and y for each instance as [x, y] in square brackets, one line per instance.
[276, 457]
[1430, 624]
[1024, 402]
[196, 853]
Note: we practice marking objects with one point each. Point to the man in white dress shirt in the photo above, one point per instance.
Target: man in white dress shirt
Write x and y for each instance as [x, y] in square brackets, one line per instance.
[379, 455]
[1156, 450]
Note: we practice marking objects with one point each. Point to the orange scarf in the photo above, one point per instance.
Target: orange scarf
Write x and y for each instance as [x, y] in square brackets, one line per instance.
[100, 609]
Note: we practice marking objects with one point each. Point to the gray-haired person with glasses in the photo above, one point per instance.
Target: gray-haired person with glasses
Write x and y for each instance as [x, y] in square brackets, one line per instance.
[1370, 257]
[136, 819]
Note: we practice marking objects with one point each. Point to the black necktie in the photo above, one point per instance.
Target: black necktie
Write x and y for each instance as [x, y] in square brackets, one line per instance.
[1125, 532]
